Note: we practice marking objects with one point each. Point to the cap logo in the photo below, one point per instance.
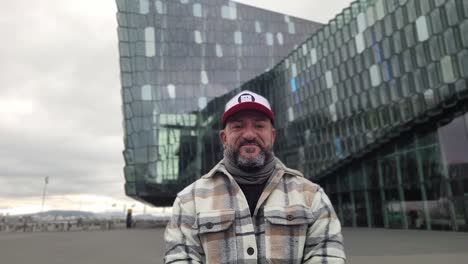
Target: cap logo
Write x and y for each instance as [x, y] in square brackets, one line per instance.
[246, 98]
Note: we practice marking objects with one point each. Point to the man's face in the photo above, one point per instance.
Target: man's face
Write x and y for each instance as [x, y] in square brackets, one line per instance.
[248, 139]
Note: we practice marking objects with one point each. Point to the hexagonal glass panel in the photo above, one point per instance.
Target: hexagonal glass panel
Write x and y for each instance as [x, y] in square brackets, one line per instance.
[144, 6]
[197, 10]
[146, 93]
[422, 28]
[448, 74]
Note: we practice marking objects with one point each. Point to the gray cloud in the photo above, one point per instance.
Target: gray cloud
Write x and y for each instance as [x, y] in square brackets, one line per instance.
[315, 10]
[61, 61]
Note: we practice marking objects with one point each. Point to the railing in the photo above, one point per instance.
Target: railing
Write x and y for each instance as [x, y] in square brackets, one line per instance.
[75, 225]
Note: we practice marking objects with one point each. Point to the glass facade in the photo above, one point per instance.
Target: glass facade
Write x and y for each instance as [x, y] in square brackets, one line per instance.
[175, 57]
[417, 181]
[372, 106]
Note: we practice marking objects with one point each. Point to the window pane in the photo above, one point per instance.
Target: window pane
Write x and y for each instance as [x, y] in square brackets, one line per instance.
[422, 28]
[197, 10]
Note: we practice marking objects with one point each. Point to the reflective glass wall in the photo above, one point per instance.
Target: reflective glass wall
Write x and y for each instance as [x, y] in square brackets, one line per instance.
[418, 181]
[175, 57]
[379, 69]
[371, 107]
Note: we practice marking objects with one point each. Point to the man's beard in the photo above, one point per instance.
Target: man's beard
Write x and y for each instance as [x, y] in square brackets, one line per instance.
[248, 164]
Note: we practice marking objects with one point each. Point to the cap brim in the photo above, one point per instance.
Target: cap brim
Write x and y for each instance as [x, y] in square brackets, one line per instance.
[247, 106]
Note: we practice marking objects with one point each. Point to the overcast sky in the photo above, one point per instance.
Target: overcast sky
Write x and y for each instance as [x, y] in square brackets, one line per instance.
[60, 105]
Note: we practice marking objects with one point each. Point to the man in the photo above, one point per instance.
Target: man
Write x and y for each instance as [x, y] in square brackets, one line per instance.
[251, 208]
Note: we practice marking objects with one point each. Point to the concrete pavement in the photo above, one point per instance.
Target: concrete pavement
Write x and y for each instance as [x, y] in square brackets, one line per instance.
[145, 246]
[385, 246]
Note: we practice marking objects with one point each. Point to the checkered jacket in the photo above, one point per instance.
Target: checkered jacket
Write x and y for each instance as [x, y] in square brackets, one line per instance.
[294, 222]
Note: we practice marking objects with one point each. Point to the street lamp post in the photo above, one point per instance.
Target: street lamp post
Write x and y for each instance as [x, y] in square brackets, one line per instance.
[46, 181]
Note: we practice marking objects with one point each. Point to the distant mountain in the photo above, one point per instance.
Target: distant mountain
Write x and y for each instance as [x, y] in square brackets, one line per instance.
[152, 217]
[74, 214]
[62, 214]
[110, 215]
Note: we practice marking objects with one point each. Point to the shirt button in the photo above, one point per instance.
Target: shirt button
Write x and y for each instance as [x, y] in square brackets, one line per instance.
[250, 251]
[290, 217]
[209, 225]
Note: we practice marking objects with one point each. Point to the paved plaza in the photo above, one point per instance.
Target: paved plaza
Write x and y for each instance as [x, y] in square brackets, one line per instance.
[145, 246]
[384, 246]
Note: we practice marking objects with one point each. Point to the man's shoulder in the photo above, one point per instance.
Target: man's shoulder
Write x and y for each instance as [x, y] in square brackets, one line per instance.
[201, 186]
[299, 178]
[307, 185]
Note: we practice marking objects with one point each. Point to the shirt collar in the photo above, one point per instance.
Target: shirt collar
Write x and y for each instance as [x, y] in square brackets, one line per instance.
[280, 167]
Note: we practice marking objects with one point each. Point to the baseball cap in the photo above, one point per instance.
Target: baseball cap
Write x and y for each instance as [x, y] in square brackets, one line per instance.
[247, 100]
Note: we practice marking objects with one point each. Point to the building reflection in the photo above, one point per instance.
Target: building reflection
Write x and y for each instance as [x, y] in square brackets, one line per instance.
[419, 181]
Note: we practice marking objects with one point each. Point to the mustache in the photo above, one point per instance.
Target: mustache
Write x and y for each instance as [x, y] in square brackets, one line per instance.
[250, 142]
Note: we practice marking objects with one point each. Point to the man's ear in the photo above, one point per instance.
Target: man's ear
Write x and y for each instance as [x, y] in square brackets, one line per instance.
[273, 134]
[222, 137]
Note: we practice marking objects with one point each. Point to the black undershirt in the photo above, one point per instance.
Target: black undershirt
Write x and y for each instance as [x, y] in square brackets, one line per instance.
[252, 193]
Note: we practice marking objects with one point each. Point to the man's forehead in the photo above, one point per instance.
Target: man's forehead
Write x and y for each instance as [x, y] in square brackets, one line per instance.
[248, 114]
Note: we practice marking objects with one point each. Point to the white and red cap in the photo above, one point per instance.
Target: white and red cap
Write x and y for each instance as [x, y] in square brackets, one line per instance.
[247, 100]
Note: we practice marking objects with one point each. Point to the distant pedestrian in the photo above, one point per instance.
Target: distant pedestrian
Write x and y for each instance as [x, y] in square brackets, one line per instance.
[129, 218]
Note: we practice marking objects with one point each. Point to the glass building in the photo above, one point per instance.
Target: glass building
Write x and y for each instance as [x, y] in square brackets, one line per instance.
[372, 106]
[176, 56]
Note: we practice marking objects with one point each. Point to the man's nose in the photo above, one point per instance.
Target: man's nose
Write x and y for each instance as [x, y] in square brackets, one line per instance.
[249, 133]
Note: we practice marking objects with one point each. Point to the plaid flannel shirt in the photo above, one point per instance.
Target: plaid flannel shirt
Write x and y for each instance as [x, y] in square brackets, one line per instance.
[293, 222]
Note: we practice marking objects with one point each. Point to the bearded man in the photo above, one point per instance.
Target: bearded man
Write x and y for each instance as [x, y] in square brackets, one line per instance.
[251, 208]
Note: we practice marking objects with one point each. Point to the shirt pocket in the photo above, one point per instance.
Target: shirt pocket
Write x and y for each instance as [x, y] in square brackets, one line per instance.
[217, 235]
[286, 232]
